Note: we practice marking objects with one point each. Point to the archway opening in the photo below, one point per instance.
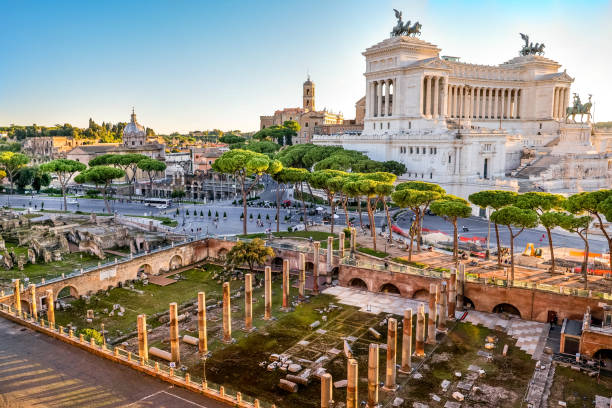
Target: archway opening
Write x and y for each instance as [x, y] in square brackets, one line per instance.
[467, 303]
[277, 263]
[604, 356]
[309, 267]
[68, 292]
[176, 262]
[222, 254]
[507, 309]
[335, 272]
[25, 306]
[358, 284]
[144, 269]
[390, 288]
[421, 294]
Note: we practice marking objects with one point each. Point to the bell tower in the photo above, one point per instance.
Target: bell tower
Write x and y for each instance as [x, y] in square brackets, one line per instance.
[309, 95]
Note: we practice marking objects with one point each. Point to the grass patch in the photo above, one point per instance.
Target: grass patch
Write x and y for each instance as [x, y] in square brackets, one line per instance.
[577, 389]
[404, 261]
[370, 251]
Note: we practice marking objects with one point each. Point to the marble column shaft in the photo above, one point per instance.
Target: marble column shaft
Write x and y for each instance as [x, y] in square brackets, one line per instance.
[285, 284]
[326, 390]
[452, 294]
[460, 280]
[443, 302]
[330, 254]
[341, 245]
[202, 330]
[352, 400]
[315, 269]
[17, 296]
[33, 308]
[302, 277]
[248, 302]
[420, 332]
[353, 240]
[406, 366]
[268, 293]
[50, 307]
[143, 348]
[373, 376]
[431, 319]
[391, 354]
[227, 313]
[174, 334]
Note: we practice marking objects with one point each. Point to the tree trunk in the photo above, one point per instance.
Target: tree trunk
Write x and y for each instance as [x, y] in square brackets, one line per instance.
[511, 254]
[301, 190]
[455, 239]
[277, 207]
[552, 253]
[244, 209]
[150, 185]
[346, 214]
[372, 222]
[360, 212]
[585, 261]
[331, 207]
[498, 245]
[64, 195]
[106, 199]
[388, 220]
[419, 220]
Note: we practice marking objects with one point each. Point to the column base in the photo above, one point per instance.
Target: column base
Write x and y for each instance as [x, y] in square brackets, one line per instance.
[205, 355]
[443, 330]
[404, 372]
[230, 341]
[251, 330]
[390, 389]
[286, 309]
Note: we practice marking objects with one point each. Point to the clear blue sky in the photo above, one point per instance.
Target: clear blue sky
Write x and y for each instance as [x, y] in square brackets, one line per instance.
[188, 65]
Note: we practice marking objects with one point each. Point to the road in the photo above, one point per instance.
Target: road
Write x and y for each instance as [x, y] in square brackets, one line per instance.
[37, 370]
[233, 225]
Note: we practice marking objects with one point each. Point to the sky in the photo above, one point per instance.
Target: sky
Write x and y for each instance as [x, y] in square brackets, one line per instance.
[195, 65]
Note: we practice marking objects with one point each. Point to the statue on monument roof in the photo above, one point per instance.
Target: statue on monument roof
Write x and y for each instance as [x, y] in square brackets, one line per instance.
[402, 28]
[530, 48]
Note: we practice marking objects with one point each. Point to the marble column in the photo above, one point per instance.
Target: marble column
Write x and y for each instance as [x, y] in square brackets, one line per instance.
[17, 297]
[555, 104]
[353, 240]
[315, 269]
[352, 400]
[174, 334]
[248, 302]
[378, 98]
[267, 293]
[471, 109]
[502, 108]
[285, 284]
[406, 366]
[302, 277]
[143, 348]
[565, 101]
[33, 308]
[489, 98]
[420, 332]
[436, 97]
[227, 314]
[445, 98]
[390, 97]
[431, 320]
[50, 308]
[443, 305]
[454, 107]
[330, 255]
[509, 104]
[385, 101]
[373, 376]
[341, 245]
[460, 101]
[428, 96]
[390, 383]
[202, 330]
[452, 294]
[326, 391]
[460, 280]
[422, 97]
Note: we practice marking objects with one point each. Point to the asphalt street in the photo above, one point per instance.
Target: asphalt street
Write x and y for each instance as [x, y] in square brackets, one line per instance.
[232, 224]
[39, 371]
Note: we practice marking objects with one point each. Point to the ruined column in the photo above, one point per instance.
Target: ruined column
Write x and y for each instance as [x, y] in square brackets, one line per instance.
[431, 320]
[202, 332]
[341, 245]
[407, 343]
[268, 293]
[326, 391]
[443, 302]
[330, 253]
[353, 240]
[174, 334]
[351, 387]
[452, 294]
[391, 354]
[420, 332]
[17, 297]
[373, 376]
[143, 348]
[302, 278]
[227, 314]
[285, 284]
[33, 310]
[460, 287]
[50, 308]
[248, 302]
[315, 269]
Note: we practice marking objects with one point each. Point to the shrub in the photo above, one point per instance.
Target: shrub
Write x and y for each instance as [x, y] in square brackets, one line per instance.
[267, 217]
[201, 213]
[89, 334]
[186, 212]
[209, 214]
[251, 216]
[224, 214]
[241, 216]
[52, 190]
[216, 214]
[259, 216]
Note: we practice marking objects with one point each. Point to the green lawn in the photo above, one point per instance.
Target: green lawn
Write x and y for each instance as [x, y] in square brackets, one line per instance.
[370, 251]
[577, 389]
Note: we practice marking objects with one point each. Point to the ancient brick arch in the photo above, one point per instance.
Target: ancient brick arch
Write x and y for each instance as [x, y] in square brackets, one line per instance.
[507, 308]
[358, 283]
[389, 287]
[72, 290]
[145, 268]
[175, 262]
[222, 253]
[420, 294]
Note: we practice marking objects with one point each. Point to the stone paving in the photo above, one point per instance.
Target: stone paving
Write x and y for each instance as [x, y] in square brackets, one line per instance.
[374, 302]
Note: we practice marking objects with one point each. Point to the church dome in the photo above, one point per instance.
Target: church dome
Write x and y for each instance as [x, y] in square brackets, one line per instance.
[134, 129]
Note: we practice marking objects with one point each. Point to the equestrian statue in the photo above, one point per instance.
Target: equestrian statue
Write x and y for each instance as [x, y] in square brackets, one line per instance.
[578, 109]
[402, 28]
[530, 48]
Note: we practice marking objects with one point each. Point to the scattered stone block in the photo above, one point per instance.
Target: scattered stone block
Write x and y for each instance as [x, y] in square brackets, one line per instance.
[452, 404]
[505, 351]
[321, 331]
[397, 402]
[445, 384]
[417, 376]
[464, 386]
[374, 333]
[340, 384]
[481, 373]
[303, 343]
[458, 396]
[458, 374]
[562, 404]
[489, 346]
[334, 352]
[287, 385]
[315, 324]
[419, 405]
[491, 339]
[436, 398]
[474, 368]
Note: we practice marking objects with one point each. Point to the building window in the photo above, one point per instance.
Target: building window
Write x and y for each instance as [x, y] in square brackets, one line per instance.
[374, 126]
[424, 150]
[409, 125]
[417, 150]
[411, 151]
[306, 124]
[430, 175]
[132, 143]
[316, 123]
[381, 125]
[388, 125]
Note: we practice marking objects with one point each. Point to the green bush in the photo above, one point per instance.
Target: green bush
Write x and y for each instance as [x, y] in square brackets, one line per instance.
[418, 265]
[51, 190]
[209, 213]
[89, 334]
[224, 214]
[92, 193]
